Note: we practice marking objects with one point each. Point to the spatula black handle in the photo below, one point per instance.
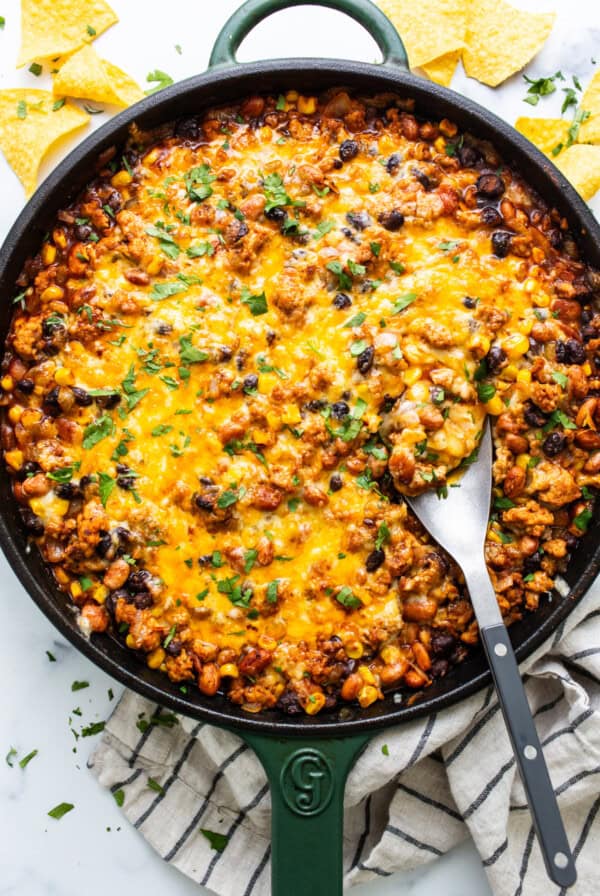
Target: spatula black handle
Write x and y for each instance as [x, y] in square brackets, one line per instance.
[549, 828]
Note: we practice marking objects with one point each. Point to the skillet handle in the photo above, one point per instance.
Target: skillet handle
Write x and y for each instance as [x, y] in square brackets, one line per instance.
[252, 12]
[307, 777]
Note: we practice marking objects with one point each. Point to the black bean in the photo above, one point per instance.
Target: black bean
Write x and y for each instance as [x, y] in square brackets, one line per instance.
[32, 523]
[276, 214]
[204, 501]
[164, 329]
[316, 405]
[188, 128]
[104, 545]
[439, 668]
[85, 481]
[392, 220]
[496, 358]
[442, 643]
[123, 535]
[556, 238]
[501, 241]
[554, 443]
[289, 703]
[575, 352]
[387, 404]
[242, 231]
[364, 361]
[490, 215]
[337, 164]
[468, 302]
[341, 300]
[225, 353]
[532, 563]
[29, 468]
[138, 580]
[68, 491]
[142, 600]
[250, 382]
[359, 220]
[108, 401]
[340, 409]
[348, 150]
[174, 647]
[336, 482]
[240, 359]
[82, 398]
[206, 480]
[50, 404]
[26, 386]
[123, 468]
[490, 185]
[375, 559]
[468, 156]
[422, 178]
[127, 483]
[533, 415]
[52, 325]
[393, 163]
[83, 232]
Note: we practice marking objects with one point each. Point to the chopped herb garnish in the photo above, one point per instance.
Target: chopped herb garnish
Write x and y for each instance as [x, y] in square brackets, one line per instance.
[79, 685]
[165, 241]
[541, 87]
[12, 754]
[27, 759]
[198, 182]
[94, 728]
[160, 79]
[403, 302]
[97, 430]
[106, 486]
[166, 289]
[356, 321]
[21, 109]
[323, 228]
[561, 378]
[383, 535]
[60, 810]
[256, 303]
[346, 597]
[582, 520]
[154, 785]
[217, 841]
[36, 69]
[485, 391]
[272, 591]
[188, 353]
[119, 796]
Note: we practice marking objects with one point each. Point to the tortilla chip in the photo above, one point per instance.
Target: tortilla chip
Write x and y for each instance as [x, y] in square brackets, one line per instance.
[545, 133]
[86, 76]
[52, 28]
[429, 28]
[501, 40]
[580, 163]
[30, 125]
[589, 132]
[441, 70]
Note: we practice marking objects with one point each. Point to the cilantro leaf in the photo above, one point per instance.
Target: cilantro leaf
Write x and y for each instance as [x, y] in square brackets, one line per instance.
[97, 430]
[346, 597]
[256, 303]
[159, 78]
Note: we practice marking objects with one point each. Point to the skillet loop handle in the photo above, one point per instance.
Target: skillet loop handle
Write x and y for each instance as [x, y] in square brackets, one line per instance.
[252, 12]
[307, 777]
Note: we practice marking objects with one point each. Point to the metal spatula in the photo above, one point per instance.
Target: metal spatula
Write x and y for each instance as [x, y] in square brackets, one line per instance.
[459, 524]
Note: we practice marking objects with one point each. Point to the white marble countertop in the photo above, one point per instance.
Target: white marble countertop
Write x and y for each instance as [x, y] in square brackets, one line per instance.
[92, 849]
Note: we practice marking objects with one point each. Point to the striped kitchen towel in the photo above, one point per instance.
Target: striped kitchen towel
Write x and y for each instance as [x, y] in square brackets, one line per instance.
[438, 779]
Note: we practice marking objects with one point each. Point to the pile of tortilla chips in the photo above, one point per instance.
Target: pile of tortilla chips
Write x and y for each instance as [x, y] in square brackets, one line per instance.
[574, 146]
[58, 33]
[494, 39]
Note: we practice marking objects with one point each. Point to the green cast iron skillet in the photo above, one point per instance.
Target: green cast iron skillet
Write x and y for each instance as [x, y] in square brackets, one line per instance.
[306, 759]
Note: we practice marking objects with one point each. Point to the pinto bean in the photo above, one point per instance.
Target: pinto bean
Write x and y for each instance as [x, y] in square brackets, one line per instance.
[419, 608]
[351, 687]
[266, 497]
[516, 444]
[36, 486]
[587, 439]
[421, 656]
[255, 661]
[96, 616]
[209, 679]
[116, 574]
[514, 482]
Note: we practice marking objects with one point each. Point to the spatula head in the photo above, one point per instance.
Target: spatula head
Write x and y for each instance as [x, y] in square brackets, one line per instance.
[459, 521]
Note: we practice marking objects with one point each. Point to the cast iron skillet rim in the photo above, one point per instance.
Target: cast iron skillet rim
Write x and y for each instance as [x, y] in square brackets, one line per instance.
[381, 77]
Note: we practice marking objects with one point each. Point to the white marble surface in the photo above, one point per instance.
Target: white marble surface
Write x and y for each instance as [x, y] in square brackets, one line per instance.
[92, 850]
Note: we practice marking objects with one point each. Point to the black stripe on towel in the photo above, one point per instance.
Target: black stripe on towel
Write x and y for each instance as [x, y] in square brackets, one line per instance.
[591, 817]
[172, 777]
[196, 819]
[242, 815]
[426, 847]
[430, 802]
[257, 872]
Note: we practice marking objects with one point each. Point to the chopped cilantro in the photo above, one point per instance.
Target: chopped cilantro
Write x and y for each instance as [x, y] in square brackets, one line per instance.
[256, 303]
[217, 841]
[198, 182]
[403, 302]
[59, 811]
[160, 79]
[97, 430]
[346, 597]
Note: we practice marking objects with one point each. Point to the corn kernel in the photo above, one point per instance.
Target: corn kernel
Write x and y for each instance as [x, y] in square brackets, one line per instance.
[60, 506]
[391, 654]
[38, 505]
[291, 96]
[541, 301]
[51, 293]
[261, 436]
[156, 658]
[267, 642]
[439, 144]
[60, 238]
[493, 536]
[229, 670]
[495, 406]
[454, 446]
[7, 383]
[48, 253]
[314, 703]
[510, 372]
[516, 345]
[123, 178]
[76, 589]
[291, 414]
[60, 575]
[525, 326]
[366, 674]
[100, 594]
[448, 128]
[587, 368]
[412, 375]
[354, 649]
[155, 265]
[14, 459]
[481, 344]
[30, 417]
[523, 461]
[307, 105]
[524, 377]
[14, 415]
[367, 695]
[274, 420]
[63, 377]
[130, 641]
